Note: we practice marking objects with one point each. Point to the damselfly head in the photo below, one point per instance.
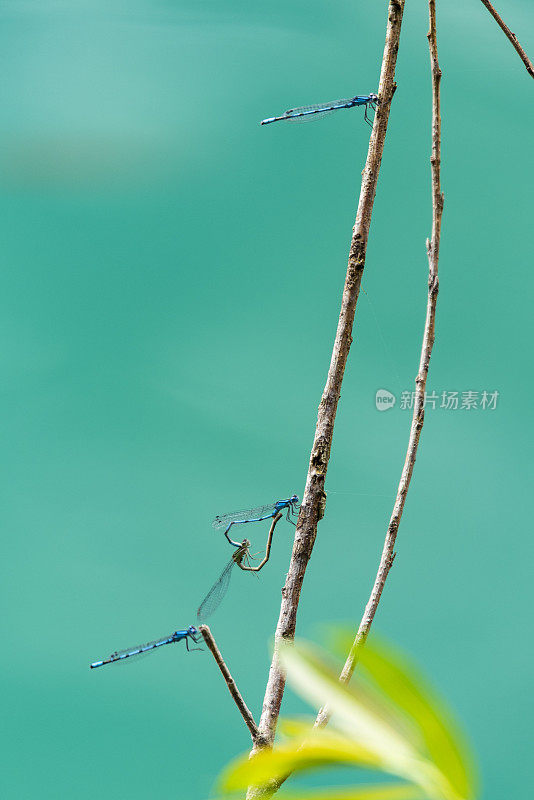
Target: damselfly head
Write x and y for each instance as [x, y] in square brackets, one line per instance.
[192, 630]
[294, 499]
[373, 98]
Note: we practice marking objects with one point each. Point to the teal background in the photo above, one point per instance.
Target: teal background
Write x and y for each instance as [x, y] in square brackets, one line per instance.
[170, 289]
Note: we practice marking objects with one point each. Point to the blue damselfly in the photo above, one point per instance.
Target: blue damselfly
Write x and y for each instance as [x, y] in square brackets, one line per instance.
[150, 647]
[305, 113]
[257, 514]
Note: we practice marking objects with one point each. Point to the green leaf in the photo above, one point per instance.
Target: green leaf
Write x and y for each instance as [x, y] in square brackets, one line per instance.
[364, 719]
[401, 682]
[319, 750]
[392, 722]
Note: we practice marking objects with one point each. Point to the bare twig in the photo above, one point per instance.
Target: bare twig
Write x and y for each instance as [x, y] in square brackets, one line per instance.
[432, 245]
[314, 496]
[232, 688]
[511, 37]
[267, 549]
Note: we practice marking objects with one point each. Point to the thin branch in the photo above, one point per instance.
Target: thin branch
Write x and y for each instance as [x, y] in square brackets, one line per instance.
[267, 549]
[432, 245]
[511, 37]
[314, 495]
[232, 687]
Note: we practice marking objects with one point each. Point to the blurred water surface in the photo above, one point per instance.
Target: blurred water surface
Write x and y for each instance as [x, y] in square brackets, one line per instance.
[170, 289]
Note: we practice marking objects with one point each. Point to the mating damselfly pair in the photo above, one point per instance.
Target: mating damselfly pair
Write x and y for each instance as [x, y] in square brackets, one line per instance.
[305, 113]
[242, 555]
[210, 603]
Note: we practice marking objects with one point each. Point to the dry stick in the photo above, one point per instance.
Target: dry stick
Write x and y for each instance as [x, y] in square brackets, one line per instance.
[234, 691]
[276, 519]
[432, 245]
[511, 36]
[314, 496]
